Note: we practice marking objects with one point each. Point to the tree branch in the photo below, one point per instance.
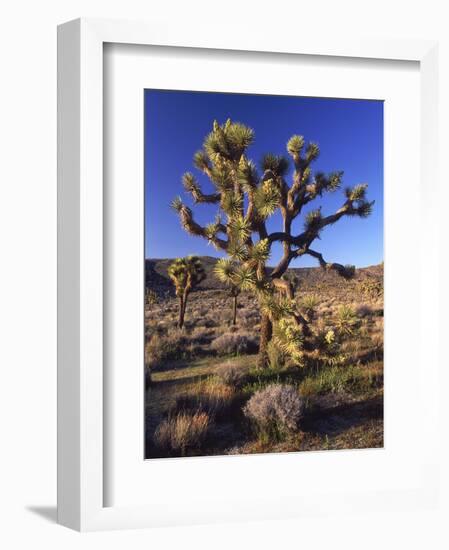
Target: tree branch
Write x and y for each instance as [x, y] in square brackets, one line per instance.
[192, 227]
[347, 272]
[192, 186]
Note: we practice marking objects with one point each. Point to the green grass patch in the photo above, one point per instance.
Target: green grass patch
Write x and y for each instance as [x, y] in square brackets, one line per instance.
[353, 379]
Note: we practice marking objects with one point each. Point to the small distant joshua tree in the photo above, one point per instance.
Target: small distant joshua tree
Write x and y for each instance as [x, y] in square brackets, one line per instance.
[246, 200]
[186, 274]
[234, 290]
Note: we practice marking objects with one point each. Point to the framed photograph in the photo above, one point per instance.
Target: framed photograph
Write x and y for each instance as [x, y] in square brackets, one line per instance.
[234, 286]
[249, 347]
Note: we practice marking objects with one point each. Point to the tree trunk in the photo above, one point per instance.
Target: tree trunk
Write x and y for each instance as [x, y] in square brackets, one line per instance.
[184, 306]
[266, 332]
[181, 312]
[234, 311]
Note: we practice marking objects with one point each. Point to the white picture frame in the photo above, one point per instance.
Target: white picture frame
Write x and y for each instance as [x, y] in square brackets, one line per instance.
[81, 406]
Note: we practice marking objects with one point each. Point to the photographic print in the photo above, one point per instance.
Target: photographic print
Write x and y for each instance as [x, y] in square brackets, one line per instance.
[263, 312]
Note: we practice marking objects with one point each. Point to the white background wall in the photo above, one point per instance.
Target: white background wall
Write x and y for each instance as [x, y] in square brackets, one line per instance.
[28, 269]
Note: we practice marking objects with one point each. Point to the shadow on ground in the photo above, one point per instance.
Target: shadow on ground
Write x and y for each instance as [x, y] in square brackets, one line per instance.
[47, 512]
[335, 420]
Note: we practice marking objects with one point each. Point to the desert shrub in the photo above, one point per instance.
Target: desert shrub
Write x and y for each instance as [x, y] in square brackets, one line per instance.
[151, 297]
[275, 411]
[234, 344]
[181, 432]
[201, 336]
[230, 375]
[161, 348]
[208, 323]
[347, 321]
[371, 288]
[364, 311]
[327, 341]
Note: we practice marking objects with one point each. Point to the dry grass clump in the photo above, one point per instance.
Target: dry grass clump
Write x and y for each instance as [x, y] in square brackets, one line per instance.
[181, 432]
[230, 375]
[234, 343]
[215, 396]
[163, 347]
[275, 411]
[371, 288]
[211, 396]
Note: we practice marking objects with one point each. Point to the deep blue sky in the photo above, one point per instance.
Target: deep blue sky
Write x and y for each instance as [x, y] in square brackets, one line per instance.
[349, 133]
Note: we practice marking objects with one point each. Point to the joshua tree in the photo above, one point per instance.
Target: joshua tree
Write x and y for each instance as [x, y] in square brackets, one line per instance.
[150, 297]
[234, 292]
[245, 200]
[186, 274]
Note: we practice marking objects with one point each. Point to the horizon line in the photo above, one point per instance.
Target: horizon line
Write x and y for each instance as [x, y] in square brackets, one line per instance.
[290, 267]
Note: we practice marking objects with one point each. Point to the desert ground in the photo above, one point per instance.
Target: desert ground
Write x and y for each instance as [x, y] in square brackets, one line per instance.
[200, 380]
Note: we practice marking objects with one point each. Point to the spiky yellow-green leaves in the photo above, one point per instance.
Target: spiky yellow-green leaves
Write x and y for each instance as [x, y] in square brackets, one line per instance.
[247, 174]
[190, 183]
[329, 183]
[295, 145]
[313, 220]
[228, 141]
[240, 228]
[201, 161]
[186, 273]
[307, 172]
[235, 274]
[177, 204]
[289, 337]
[364, 209]
[245, 277]
[267, 198]
[178, 274]
[276, 308]
[260, 252]
[231, 203]
[312, 152]
[224, 270]
[356, 193]
[277, 164]
[238, 251]
[347, 320]
[212, 229]
[239, 137]
[221, 177]
[232, 273]
[334, 180]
